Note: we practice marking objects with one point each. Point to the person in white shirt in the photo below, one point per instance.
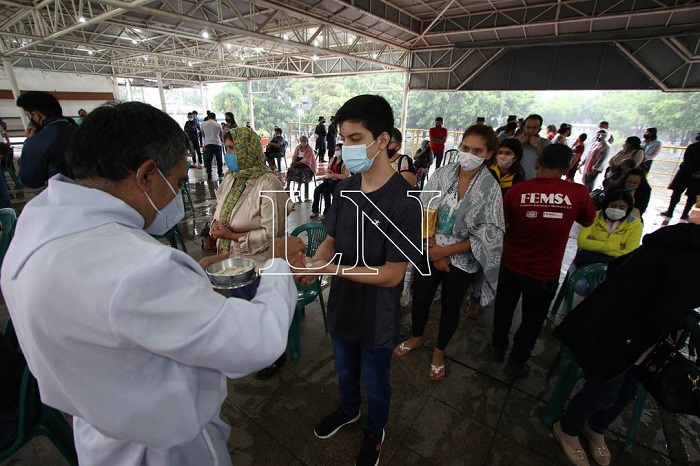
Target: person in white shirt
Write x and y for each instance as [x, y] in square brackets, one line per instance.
[122, 332]
[213, 135]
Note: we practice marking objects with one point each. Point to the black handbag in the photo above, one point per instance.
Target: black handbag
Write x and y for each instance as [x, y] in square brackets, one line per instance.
[669, 376]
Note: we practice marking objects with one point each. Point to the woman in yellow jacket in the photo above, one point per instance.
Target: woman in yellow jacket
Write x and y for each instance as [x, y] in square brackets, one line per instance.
[613, 233]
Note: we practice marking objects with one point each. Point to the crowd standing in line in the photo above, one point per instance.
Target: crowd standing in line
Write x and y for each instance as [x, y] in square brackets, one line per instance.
[502, 215]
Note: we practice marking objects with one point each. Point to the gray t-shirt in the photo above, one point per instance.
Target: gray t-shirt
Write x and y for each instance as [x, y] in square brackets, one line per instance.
[530, 154]
[367, 313]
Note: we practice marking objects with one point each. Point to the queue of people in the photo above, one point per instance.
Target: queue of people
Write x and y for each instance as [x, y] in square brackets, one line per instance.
[492, 225]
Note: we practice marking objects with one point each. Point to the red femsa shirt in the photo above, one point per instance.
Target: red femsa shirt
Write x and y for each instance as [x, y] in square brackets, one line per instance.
[437, 133]
[539, 214]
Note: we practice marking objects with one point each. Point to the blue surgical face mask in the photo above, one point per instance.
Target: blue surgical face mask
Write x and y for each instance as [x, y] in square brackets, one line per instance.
[168, 216]
[355, 157]
[231, 161]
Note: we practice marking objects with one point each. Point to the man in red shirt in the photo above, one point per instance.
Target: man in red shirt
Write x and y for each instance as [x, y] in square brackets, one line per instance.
[539, 214]
[438, 137]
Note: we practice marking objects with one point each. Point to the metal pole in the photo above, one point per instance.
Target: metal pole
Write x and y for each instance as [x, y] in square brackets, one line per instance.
[7, 64]
[404, 107]
[115, 81]
[159, 77]
[251, 109]
[129, 97]
[201, 97]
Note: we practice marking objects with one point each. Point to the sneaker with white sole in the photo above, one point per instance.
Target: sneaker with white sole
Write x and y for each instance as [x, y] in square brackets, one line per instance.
[332, 423]
[370, 450]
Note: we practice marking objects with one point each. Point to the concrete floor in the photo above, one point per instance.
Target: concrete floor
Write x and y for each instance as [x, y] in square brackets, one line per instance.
[472, 417]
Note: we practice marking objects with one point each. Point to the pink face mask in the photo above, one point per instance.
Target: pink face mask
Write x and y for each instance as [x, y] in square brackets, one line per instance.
[505, 161]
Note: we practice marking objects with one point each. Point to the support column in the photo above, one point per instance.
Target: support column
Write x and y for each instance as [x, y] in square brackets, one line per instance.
[202, 97]
[161, 92]
[251, 109]
[10, 72]
[115, 81]
[129, 97]
[404, 110]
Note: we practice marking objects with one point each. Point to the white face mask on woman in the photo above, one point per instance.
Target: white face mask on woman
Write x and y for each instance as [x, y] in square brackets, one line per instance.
[615, 214]
[469, 161]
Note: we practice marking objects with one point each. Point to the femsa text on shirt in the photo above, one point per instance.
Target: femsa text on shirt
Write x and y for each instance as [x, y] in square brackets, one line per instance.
[543, 198]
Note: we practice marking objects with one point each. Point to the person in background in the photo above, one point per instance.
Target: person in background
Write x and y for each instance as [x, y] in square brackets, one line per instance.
[509, 131]
[277, 147]
[510, 119]
[213, 137]
[195, 117]
[687, 179]
[635, 182]
[438, 137]
[480, 121]
[336, 171]
[577, 149]
[422, 160]
[551, 132]
[606, 126]
[505, 166]
[363, 306]
[331, 137]
[248, 125]
[563, 133]
[192, 131]
[82, 114]
[532, 143]
[539, 214]
[651, 147]
[321, 134]
[403, 164]
[631, 149]
[596, 158]
[230, 122]
[302, 170]
[468, 240]
[245, 223]
[44, 151]
[6, 159]
[614, 232]
[611, 330]
[613, 176]
[150, 333]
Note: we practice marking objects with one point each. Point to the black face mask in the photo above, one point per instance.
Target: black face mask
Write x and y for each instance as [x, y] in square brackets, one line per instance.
[391, 152]
[228, 120]
[35, 125]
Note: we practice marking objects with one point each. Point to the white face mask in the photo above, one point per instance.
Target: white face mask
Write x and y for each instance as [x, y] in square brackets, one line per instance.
[168, 216]
[469, 161]
[615, 214]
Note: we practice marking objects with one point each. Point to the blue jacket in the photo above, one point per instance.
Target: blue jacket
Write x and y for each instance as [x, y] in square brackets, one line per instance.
[44, 154]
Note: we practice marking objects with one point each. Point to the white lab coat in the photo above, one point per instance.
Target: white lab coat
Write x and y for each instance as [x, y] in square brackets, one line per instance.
[127, 335]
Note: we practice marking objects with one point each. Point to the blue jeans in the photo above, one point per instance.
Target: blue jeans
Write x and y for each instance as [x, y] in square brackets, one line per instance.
[537, 296]
[247, 292]
[599, 402]
[354, 359]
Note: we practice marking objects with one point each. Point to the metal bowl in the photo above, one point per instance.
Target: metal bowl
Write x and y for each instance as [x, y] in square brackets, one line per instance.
[231, 281]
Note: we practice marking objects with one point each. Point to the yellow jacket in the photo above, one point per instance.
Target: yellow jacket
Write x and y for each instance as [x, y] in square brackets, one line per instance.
[625, 238]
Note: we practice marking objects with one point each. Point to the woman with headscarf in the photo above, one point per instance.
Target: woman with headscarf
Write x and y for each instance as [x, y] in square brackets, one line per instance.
[245, 222]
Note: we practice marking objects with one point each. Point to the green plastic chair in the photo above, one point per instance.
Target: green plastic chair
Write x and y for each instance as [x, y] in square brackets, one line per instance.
[8, 220]
[566, 290]
[37, 419]
[315, 235]
[9, 168]
[571, 372]
[187, 196]
[174, 236]
[450, 156]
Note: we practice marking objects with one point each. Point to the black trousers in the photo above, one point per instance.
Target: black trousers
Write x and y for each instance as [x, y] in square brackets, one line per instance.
[455, 284]
[537, 296]
[211, 151]
[197, 154]
[324, 189]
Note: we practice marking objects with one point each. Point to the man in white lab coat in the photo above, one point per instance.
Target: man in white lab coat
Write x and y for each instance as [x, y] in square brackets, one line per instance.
[122, 332]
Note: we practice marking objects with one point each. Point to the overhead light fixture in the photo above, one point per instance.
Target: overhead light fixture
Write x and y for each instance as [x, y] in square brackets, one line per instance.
[137, 30]
[134, 41]
[189, 63]
[205, 34]
[228, 46]
[314, 57]
[285, 36]
[90, 52]
[81, 19]
[317, 42]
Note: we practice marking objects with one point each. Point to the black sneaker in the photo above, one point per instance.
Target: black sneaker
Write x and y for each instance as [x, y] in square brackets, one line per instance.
[370, 450]
[685, 217]
[271, 370]
[333, 422]
[667, 213]
[514, 373]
